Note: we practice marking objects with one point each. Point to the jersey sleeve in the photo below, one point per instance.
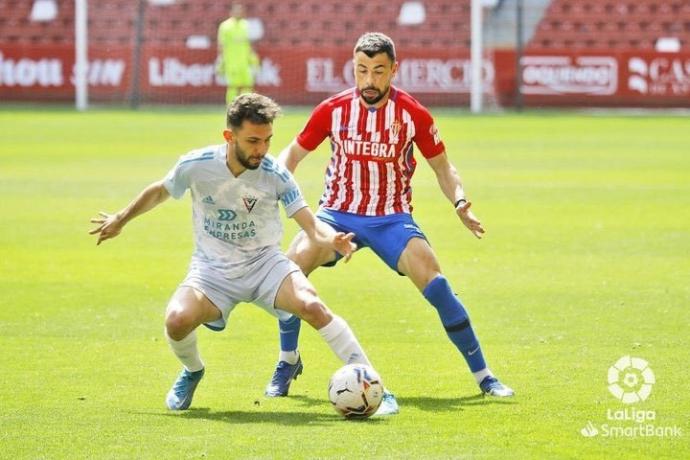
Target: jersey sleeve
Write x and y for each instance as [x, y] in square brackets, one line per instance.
[426, 136]
[317, 128]
[177, 179]
[289, 194]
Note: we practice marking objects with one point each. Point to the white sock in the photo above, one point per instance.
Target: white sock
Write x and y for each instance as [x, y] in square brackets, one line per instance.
[291, 357]
[481, 375]
[186, 351]
[343, 342]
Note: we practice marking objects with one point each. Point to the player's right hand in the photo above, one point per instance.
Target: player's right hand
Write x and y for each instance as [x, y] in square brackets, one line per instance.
[109, 226]
[342, 242]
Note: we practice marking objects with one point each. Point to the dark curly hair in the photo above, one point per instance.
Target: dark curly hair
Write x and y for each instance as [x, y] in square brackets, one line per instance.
[255, 108]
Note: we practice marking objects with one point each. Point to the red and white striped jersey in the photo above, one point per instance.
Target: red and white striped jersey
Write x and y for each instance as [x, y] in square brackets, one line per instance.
[372, 158]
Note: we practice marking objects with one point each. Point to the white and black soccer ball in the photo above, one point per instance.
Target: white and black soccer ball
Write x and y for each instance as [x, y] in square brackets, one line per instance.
[356, 391]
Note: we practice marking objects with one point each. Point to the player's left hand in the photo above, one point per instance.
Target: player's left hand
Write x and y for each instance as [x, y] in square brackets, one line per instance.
[342, 243]
[470, 220]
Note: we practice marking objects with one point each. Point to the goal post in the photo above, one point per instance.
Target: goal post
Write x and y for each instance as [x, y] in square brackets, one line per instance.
[476, 56]
[81, 90]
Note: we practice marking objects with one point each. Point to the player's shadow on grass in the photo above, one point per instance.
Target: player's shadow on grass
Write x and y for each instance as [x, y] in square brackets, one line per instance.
[265, 415]
[243, 417]
[430, 403]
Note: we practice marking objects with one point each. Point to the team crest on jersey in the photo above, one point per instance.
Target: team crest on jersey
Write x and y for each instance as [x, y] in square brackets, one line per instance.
[249, 202]
[395, 128]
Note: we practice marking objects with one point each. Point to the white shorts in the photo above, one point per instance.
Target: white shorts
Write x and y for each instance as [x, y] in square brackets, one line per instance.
[258, 286]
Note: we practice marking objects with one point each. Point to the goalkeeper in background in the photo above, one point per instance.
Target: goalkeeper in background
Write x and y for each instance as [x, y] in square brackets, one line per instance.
[236, 59]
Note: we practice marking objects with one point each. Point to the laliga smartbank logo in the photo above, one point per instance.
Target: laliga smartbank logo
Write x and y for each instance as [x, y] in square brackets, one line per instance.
[630, 381]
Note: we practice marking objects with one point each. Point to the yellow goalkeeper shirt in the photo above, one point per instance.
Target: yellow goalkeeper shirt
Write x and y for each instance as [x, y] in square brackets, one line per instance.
[233, 36]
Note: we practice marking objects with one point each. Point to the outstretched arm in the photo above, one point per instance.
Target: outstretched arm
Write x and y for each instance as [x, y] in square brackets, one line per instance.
[110, 225]
[451, 185]
[292, 155]
[323, 234]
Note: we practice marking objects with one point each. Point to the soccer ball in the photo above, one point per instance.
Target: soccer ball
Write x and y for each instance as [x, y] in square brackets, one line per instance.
[356, 391]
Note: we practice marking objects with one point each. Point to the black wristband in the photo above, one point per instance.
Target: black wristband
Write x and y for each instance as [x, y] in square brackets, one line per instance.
[461, 200]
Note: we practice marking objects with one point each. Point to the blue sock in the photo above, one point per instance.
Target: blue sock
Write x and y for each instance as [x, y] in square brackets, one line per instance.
[456, 321]
[289, 333]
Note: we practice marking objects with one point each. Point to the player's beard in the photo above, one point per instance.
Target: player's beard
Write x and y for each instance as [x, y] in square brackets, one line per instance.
[372, 100]
[244, 159]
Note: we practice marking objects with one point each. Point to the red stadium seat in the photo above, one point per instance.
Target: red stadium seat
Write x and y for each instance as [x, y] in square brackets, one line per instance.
[289, 22]
[578, 23]
[611, 23]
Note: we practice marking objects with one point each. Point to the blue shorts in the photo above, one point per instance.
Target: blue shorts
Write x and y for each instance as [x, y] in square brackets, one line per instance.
[387, 236]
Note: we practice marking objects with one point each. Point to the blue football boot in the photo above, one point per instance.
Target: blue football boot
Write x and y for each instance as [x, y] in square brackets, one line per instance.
[492, 387]
[283, 376]
[180, 395]
[389, 406]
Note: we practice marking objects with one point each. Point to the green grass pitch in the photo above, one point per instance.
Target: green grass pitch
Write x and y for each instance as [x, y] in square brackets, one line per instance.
[586, 259]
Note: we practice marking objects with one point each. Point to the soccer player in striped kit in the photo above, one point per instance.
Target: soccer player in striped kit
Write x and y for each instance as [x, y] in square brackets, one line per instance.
[372, 129]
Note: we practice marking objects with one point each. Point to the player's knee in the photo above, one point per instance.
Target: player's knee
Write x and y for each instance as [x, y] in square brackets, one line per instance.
[314, 311]
[429, 276]
[179, 323]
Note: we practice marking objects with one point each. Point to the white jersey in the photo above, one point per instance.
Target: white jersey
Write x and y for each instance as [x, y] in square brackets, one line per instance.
[236, 219]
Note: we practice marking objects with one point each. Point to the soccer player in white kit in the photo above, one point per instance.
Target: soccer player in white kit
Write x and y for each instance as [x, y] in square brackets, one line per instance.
[236, 188]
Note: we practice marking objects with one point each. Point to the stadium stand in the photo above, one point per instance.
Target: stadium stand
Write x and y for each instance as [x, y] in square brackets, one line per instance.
[285, 23]
[612, 24]
[305, 46]
[16, 27]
